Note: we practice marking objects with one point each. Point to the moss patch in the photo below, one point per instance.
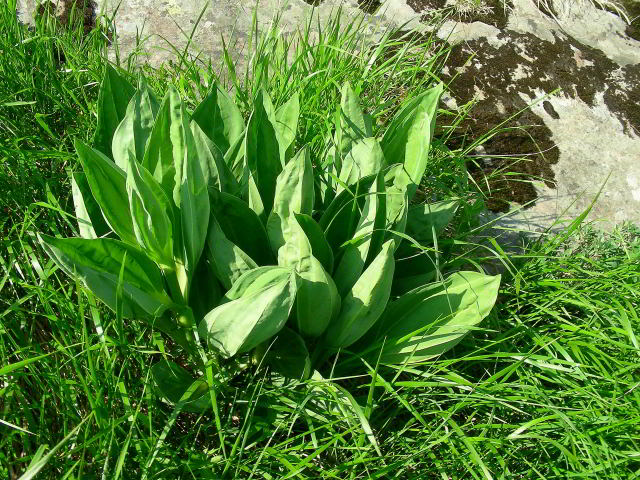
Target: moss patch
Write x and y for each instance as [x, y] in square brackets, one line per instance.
[526, 64]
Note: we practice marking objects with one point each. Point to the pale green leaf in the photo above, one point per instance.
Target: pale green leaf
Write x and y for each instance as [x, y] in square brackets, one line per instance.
[430, 320]
[242, 324]
[152, 213]
[134, 130]
[408, 136]
[294, 194]
[365, 302]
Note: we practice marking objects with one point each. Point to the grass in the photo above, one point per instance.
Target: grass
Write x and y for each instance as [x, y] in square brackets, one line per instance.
[548, 388]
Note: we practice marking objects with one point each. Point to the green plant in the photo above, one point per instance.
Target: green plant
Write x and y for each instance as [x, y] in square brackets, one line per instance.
[217, 234]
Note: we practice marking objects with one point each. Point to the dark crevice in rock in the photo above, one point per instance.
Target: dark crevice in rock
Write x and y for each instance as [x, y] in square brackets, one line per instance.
[528, 65]
[369, 6]
[491, 12]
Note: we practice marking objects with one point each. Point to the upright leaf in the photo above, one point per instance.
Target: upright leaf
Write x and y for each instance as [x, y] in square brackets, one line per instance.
[430, 320]
[351, 124]
[286, 125]
[341, 217]
[242, 324]
[219, 118]
[214, 169]
[320, 248]
[108, 186]
[365, 302]
[364, 158]
[317, 301]
[294, 194]
[397, 183]
[369, 233]
[429, 219]
[262, 152]
[97, 263]
[91, 223]
[113, 98]
[170, 146]
[134, 130]
[152, 213]
[194, 207]
[408, 136]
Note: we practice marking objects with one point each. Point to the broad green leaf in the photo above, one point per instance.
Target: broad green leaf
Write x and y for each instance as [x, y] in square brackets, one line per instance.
[241, 226]
[113, 98]
[134, 130]
[194, 207]
[319, 245]
[262, 152]
[397, 183]
[340, 219]
[97, 263]
[287, 355]
[228, 261]
[369, 233]
[242, 324]
[365, 158]
[429, 219]
[317, 301]
[219, 118]
[294, 194]
[91, 223]
[214, 169]
[172, 382]
[108, 185]
[255, 200]
[235, 160]
[351, 124]
[408, 136]
[286, 125]
[152, 213]
[256, 280]
[365, 302]
[170, 146]
[430, 320]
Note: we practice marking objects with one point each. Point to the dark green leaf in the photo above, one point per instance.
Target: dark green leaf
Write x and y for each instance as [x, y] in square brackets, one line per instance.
[241, 226]
[173, 381]
[429, 219]
[319, 245]
[219, 118]
[113, 98]
[108, 186]
[288, 355]
[97, 263]
[91, 223]
[262, 151]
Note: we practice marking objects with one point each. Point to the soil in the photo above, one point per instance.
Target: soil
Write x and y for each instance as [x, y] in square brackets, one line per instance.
[526, 64]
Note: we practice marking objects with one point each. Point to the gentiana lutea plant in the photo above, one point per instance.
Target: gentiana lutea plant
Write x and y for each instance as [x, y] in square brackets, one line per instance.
[234, 245]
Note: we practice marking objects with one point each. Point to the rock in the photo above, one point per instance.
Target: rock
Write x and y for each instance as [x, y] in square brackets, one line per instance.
[571, 141]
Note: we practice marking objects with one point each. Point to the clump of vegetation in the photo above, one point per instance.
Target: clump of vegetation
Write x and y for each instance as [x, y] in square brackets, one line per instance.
[207, 228]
